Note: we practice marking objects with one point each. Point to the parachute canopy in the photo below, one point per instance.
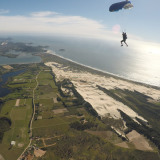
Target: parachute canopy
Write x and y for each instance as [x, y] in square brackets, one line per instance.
[120, 5]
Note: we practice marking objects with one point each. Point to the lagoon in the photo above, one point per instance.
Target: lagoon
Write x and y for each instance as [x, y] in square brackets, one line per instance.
[4, 90]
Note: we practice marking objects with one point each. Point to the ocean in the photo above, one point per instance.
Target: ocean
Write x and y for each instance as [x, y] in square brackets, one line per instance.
[125, 62]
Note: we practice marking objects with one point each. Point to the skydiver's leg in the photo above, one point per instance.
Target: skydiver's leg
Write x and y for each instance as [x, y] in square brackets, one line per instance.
[122, 43]
[126, 43]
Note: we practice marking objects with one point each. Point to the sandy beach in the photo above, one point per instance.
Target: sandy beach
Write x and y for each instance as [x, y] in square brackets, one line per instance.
[87, 83]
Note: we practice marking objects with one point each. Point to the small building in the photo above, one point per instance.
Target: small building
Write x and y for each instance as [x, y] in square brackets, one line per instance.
[13, 143]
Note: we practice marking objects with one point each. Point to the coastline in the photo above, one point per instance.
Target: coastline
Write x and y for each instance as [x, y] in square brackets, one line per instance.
[93, 84]
[105, 73]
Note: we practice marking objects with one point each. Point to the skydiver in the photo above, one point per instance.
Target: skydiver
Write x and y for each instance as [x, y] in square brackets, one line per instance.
[124, 35]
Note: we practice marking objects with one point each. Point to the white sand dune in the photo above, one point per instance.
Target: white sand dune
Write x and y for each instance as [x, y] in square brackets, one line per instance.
[86, 84]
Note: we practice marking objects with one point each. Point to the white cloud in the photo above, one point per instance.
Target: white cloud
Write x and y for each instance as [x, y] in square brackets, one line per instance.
[51, 23]
[43, 14]
[3, 11]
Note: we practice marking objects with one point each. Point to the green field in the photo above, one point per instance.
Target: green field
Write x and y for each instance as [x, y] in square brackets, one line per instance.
[64, 126]
[18, 108]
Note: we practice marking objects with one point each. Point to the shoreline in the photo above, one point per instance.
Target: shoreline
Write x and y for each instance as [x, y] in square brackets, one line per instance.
[103, 72]
[106, 73]
[93, 84]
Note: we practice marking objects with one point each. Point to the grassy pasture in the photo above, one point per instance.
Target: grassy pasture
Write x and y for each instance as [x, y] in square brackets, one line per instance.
[45, 78]
[51, 130]
[47, 114]
[18, 114]
[58, 105]
[48, 103]
[22, 86]
[20, 117]
[9, 153]
[48, 122]
[22, 102]
[46, 91]
[7, 107]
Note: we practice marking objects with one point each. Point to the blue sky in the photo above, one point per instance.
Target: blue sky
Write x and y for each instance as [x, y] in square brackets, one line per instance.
[81, 18]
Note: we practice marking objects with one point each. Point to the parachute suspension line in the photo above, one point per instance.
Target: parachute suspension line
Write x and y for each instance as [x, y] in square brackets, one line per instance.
[123, 15]
[119, 20]
[122, 20]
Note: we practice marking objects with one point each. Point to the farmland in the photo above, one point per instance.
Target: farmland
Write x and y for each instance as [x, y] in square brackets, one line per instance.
[17, 106]
[64, 125]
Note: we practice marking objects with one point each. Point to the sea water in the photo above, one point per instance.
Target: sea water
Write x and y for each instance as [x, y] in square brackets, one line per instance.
[126, 62]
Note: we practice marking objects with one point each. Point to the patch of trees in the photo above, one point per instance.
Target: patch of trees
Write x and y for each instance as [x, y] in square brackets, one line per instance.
[1, 103]
[82, 126]
[59, 85]
[66, 83]
[5, 124]
[110, 93]
[54, 77]
[83, 146]
[65, 148]
[79, 101]
[79, 97]
[90, 109]
[136, 101]
[141, 102]
[148, 132]
[144, 107]
[118, 98]
[58, 99]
